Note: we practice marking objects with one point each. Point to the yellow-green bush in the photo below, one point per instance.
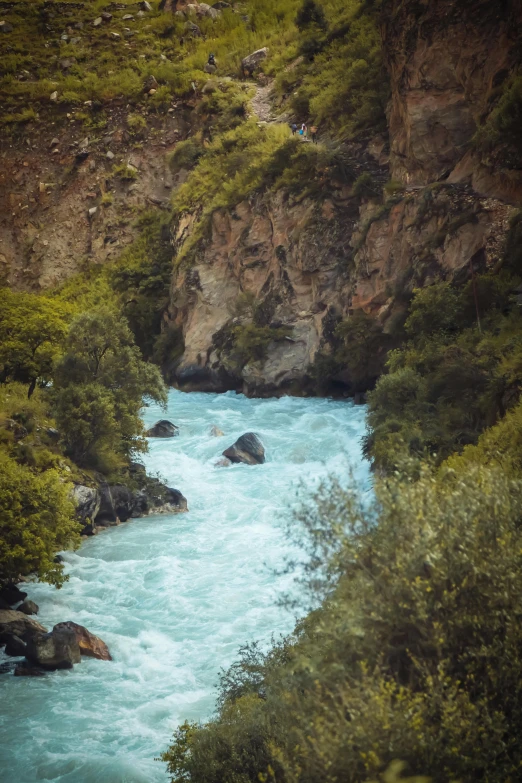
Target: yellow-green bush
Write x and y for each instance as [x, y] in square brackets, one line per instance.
[36, 520]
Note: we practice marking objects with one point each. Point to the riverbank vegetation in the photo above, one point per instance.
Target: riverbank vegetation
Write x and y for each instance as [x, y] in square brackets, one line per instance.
[73, 384]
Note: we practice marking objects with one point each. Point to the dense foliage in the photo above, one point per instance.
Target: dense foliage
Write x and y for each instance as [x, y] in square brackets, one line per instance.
[36, 520]
[414, 652]
[99, 387]
[454, 376]
[82, 373]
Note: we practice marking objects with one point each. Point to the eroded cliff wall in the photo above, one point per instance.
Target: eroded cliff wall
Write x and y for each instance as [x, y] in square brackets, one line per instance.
[310, 264]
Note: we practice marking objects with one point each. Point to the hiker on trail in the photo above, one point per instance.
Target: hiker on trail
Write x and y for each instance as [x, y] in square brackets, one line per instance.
[313, 133]
[212, 60]
[304, 131]
[294, 128]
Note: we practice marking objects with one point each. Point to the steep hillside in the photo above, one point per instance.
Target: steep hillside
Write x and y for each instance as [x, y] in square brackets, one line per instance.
[276, 242]
[331, 241]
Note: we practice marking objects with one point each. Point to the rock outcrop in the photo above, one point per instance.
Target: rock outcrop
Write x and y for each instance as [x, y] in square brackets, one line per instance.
[248, 449]
[251, 62]
[90, 645]
[447, 61]
[87, 500]
[11, 595]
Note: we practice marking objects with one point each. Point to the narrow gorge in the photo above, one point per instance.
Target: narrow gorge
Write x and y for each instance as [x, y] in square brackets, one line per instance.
[296, 223]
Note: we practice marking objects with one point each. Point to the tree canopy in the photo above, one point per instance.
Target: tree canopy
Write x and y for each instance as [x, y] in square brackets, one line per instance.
[100, 385]
[32, 331]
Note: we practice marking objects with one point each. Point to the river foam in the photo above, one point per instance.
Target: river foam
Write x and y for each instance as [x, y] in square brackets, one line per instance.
[174, 596]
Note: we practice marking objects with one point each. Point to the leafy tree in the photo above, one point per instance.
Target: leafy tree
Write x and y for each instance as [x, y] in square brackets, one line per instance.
[99, 388]
[32, 331]
[36, 520]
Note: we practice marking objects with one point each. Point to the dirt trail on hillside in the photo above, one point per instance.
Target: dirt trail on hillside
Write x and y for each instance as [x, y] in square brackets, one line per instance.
[261, 102]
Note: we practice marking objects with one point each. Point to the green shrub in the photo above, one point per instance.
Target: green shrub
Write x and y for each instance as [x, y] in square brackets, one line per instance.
[136, 123]
[36, 520]
[499, 136]
[461, 378]
[310, 13]
[125, 172]
[186, 154]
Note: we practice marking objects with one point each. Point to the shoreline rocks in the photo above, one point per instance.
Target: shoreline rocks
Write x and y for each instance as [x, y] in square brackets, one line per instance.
[247, 449]
[13, 623]
[111, 504]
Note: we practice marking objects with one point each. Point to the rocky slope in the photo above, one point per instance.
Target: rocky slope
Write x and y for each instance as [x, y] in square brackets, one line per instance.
[296, 265]
[310, 263]
[63, 207]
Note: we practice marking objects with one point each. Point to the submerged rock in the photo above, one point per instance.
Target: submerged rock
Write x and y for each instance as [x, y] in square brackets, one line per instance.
[216, 432]
[90, 645]
[248, 449]
[56, 650]
[26, 669]
[19, 624]
[163, 429]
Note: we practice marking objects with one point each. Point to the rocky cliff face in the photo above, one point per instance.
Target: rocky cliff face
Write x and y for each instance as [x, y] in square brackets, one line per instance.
[447, 62]
[308, 264]
[69, 196]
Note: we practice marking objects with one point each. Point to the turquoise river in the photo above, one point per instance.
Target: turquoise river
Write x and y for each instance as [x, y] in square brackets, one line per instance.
[174, 596]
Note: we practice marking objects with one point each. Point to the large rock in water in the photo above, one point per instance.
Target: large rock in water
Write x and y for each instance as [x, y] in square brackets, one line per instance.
[163, 429]
[248, 449]
[90, 645]
[19, 624]
[56, 650]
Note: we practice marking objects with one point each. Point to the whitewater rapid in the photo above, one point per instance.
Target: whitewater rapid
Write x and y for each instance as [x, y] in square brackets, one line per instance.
[174, 596]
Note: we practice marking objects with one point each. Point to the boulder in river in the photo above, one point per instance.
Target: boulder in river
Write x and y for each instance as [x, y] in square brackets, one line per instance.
[216, 432]
[56, 650]
[248, 449]
[163, 429]
[90, 645]
[19, 624]
[26, 669]
[28, 607]
[116, 505]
